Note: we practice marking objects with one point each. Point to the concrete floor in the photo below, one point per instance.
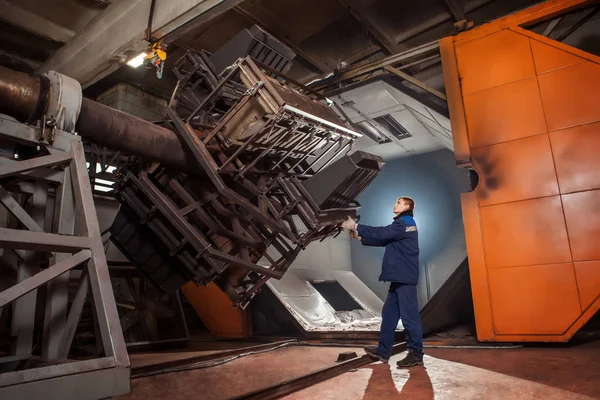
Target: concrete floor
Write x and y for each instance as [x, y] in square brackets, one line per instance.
[549, 372]
[236, 377]
[527, 373]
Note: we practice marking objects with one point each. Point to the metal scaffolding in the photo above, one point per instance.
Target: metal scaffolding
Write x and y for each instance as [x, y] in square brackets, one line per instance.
[52, 243]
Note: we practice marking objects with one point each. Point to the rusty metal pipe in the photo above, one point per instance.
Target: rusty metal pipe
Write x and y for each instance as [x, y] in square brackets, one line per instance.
[19, 94]
[20, 97]
[108, 127]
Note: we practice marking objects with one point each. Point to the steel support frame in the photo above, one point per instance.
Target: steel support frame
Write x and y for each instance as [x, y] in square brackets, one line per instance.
[72, 240]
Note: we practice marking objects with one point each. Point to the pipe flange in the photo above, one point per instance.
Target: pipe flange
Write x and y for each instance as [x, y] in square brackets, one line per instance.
[65, 101]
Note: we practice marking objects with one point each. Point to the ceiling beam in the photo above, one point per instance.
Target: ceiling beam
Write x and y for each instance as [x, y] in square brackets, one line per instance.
[97, 50]
[579, 23]
[371, 26]
[456, 9]
[415, 81]
[197, 21]
[551, 26]
[34, 23]
[318, 64]
[419, 51]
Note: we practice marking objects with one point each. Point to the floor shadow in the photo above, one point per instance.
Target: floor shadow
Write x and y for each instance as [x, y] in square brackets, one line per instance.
[381, 384]
[575, 369]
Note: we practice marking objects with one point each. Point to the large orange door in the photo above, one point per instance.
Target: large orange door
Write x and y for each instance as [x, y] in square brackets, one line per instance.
[526, 117]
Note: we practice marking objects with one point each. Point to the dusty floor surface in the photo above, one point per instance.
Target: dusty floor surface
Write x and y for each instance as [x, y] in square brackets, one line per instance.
[528, 373]
[549, 372]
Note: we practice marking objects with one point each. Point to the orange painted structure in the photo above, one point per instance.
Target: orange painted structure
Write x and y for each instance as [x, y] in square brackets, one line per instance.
[217, 312]
[525, 117]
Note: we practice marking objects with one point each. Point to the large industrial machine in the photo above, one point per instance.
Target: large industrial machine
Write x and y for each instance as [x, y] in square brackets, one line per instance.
[247, 170]
[250, 167]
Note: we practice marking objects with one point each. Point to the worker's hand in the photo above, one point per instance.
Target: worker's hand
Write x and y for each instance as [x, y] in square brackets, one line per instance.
[354, 235]
[349, 224]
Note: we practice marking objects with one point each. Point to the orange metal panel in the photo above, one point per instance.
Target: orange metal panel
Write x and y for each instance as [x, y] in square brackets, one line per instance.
[582, 213]
[558, 45]
[504, 113]
[588, 282]
[529, 232]
[570, 95]
[548, 58]
[519, 237]
[477, 270]
[539, 299]
[495, 60]
[456, 108]
[526, 17]
[576, 155]
[216, 311]
[507, 171]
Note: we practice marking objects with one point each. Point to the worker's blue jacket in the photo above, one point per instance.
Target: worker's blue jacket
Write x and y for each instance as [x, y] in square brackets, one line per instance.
[401, 241]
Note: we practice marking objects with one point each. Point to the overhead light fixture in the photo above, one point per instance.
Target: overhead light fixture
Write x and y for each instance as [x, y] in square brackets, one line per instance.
[137, 60]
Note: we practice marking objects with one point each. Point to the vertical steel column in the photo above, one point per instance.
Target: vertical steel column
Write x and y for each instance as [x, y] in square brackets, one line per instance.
[23, 322]
[57, 292]
[104, 301]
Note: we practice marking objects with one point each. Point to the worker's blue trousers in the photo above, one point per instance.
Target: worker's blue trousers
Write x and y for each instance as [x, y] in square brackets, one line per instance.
[401, 303]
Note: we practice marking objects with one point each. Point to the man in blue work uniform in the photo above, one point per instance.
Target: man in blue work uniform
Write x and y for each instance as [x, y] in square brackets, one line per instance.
[400, 268]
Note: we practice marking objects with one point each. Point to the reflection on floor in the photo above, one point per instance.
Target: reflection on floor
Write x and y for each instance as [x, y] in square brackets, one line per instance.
[529, 373]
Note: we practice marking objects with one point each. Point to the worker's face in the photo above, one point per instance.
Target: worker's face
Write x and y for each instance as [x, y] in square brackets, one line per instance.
[400, 206]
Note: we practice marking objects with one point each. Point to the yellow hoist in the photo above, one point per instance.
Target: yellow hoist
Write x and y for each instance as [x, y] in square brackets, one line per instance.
[157, 54]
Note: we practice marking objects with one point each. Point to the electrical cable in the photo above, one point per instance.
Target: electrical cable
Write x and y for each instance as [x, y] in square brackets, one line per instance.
[513, 346]
[225, 360]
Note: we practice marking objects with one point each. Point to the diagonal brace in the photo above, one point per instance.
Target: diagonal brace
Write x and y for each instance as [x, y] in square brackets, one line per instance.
[29, 284]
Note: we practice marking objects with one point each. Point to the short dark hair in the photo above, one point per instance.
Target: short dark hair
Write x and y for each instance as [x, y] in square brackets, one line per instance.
[411, 202]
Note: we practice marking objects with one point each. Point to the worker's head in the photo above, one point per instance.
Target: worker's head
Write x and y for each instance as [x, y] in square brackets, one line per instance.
[403, 204]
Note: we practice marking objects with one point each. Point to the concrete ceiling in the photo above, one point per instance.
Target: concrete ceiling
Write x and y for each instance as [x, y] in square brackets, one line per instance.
[91, 39]
[322, 32]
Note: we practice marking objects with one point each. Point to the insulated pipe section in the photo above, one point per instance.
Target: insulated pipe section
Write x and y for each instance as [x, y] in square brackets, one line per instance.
[25, 98]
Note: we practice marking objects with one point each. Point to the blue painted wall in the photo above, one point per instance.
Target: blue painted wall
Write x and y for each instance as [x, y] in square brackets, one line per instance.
[435, 184]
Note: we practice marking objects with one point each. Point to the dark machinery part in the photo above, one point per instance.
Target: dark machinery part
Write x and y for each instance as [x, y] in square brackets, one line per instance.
[243, 219]
[257, 44]
[219, 196]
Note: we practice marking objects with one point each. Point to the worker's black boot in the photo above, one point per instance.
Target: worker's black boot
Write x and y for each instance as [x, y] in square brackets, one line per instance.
[374, 354]
[411, 360]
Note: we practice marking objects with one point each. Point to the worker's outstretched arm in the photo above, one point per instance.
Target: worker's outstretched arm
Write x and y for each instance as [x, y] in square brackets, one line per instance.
[373, 242]
[395, 231]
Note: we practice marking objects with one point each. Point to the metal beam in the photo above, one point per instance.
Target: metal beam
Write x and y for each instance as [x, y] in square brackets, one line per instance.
[15, 15]
[105, 306]
[13, 130]
[83, 290]
[57, 291]
[39, 241]
[14, 292]
[527, 17]
[95, 51]
[199, 21]
[379, 64]
[551, 26]
[15, 209]
[34, 163]
[415, 81]
[456, 9]
[578, 24]
[360, 14]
